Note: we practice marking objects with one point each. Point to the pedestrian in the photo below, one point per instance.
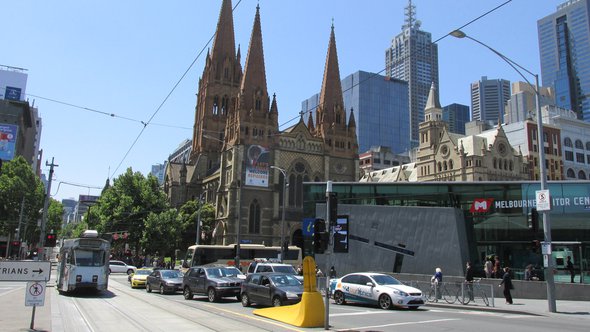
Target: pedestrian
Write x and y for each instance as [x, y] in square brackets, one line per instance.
[507, 282]
[528, 273]
[300, 270]
[318, 272]
[570, 267]
[469, 280]
[497, 270]
[332, 272]
[488, 267]
[436, 281]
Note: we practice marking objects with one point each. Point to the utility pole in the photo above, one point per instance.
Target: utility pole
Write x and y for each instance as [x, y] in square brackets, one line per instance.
[20, 221]
[45, 208]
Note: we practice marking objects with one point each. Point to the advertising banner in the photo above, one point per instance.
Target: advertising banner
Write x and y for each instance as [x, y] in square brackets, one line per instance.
[341, 234]
[257, 166]
[7, 141]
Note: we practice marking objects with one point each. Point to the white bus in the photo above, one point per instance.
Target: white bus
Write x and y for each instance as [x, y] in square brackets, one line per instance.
[204, 254]
[83, 263]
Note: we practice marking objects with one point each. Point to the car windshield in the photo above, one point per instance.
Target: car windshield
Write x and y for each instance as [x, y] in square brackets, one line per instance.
[285, 269]
[219, 272]
[383, 279]
[285, 280]
[143, 272]
[171, 274]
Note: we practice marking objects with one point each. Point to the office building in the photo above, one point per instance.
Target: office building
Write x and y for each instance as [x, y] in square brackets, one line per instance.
[564, 50]
[522, 104]
[488, 99]
[413, 57]
[380, 107]
[456, 116]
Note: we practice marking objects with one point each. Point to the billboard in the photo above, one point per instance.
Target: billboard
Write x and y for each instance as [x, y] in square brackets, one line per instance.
[341, 234]
[257, 166]
[7, 141]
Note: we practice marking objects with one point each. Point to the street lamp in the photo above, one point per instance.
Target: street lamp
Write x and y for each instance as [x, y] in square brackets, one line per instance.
[541, 147]
[283, 217]
[199, 218]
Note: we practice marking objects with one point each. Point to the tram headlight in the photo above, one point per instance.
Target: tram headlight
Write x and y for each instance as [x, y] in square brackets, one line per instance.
[94, 278]
[78, 278]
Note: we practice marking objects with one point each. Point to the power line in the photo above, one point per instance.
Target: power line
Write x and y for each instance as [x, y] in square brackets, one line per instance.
[167, 96]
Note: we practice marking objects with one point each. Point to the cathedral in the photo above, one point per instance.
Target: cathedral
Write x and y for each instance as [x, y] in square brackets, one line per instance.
[240, 161]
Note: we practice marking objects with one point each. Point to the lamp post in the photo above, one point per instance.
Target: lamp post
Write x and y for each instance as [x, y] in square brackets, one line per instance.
[284, 205]
[541, 147]
[199, 218]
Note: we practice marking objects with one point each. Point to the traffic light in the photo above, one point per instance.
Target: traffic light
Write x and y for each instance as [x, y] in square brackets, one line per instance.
[533, 220]
[321, 238]
[50, 240]
[333, 208]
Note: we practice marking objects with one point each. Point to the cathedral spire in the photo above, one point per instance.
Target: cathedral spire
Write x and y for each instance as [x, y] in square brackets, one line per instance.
[331, 94]
[224, 45]
[253, 87]
[432, 101]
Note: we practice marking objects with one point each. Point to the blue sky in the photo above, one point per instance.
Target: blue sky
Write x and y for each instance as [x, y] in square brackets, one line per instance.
[125, 57]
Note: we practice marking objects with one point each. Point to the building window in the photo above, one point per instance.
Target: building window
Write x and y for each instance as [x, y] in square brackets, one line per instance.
[215, 109]
[580, 158]
[450, 164]
[579, 144]
[588, 146]
[581, 175]
[495, 163]
[254, 218]
[258, 104]
[567, 142]
[571, 174]
[569, 155]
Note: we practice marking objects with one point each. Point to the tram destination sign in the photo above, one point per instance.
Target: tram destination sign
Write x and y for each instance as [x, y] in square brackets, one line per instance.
[25, 270]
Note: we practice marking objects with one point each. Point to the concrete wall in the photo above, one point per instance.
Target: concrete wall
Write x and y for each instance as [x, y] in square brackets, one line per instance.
[435, 235]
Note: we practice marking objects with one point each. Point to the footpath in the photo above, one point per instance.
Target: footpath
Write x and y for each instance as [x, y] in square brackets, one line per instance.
[15, 317]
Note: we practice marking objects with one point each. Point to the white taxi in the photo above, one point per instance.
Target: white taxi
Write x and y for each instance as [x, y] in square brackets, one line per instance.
[375, 288]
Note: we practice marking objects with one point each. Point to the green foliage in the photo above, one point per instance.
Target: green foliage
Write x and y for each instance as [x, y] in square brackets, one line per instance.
[188, 218]
[18, 181]
[54, 216]
[162, 232]
[125, 206]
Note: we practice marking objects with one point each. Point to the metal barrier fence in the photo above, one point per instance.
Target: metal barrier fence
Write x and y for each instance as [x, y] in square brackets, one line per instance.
[452, 292]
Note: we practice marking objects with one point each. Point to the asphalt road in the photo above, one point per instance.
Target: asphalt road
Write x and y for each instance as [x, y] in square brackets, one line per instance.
[125, 309]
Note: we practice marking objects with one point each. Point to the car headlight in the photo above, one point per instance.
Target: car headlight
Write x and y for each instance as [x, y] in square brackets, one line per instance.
[399, 292]
[291, 295]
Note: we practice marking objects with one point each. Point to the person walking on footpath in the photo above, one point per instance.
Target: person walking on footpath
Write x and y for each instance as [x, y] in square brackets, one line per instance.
[469, 280]
[436, 281]
[570, 267]
[488, 267]
[507, 282]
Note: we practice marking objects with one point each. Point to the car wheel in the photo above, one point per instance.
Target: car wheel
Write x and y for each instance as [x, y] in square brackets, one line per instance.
[277, 302]
[339, 298]
[148, 288]
[211, 294]
[162, 291]
[385, 301]
[245, 300]
[129, 271]
[188, 295]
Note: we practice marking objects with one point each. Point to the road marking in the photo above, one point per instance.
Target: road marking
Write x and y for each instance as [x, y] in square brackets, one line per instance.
[401, 324]
[360, 313]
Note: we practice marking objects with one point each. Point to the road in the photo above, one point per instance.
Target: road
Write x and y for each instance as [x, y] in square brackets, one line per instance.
[125, 309]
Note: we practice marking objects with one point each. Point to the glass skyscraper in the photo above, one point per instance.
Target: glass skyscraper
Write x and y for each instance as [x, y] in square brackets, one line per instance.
[380, 106]
[413, 57]
[564, 48]
[456, 115]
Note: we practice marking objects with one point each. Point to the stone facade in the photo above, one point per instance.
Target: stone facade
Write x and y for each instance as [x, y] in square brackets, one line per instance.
[236, 140]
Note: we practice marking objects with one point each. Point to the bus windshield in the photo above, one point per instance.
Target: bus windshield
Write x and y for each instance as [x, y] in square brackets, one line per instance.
[89, 257]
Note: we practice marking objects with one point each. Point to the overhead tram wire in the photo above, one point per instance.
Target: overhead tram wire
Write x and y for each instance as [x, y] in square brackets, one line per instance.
[112, 115]
[378, 73]
[145, 124]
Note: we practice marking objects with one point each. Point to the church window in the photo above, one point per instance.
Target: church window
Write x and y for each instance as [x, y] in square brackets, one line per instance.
[505, 164]
[254, 131]
[450, 164]
[445, 165]
[349, 145]
[247, 131]
[338, 118]
[254, 218]
[258, 104]
[226, 73]
[495, 163]
[215, 105]
[439, 166]
[224, 105]
[511, 167]
[291, 190]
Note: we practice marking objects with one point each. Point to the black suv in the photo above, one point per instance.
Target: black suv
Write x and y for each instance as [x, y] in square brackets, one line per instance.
[214, 281]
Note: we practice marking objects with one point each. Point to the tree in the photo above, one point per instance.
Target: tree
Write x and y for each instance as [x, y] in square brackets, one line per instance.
[54, 216]
[162, 233]
[125, 205]
[18, 182]
[189, 215]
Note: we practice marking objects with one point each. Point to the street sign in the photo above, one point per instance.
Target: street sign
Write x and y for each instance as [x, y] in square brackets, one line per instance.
[35, 294]
[543, 200]
[546, 248]
[25, 270]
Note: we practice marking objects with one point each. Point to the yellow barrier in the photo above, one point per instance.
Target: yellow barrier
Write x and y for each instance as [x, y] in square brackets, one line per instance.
[307, 313]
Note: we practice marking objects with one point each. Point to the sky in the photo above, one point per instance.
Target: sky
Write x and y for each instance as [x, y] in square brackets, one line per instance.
[141, 60]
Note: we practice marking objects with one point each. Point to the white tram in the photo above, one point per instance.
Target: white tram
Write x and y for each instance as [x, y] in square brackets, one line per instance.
[83, 263]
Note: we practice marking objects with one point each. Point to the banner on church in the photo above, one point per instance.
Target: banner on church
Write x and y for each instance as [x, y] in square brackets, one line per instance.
[257, 166]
